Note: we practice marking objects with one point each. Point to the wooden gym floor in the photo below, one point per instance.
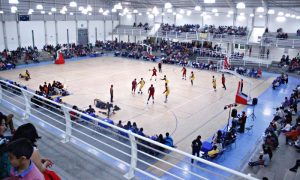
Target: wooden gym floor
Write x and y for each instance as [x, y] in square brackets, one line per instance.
[190, 111]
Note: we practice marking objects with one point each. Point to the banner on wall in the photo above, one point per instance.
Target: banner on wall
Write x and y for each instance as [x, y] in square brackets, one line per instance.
[203, 35]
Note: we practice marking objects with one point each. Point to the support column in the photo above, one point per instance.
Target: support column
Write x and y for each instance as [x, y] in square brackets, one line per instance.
[253, 19]
[88, 29]
[76, 30]
[133, 161]
[112, 28]
[46, 32]
[27, 99]
[4, 34]
[104, 32]
[234, 16]
[68, 131]
[56, 32]
[267, 20]
[18, 32]
[33, 43]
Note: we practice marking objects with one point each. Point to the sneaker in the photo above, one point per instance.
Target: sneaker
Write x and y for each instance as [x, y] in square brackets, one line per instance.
[293, 170]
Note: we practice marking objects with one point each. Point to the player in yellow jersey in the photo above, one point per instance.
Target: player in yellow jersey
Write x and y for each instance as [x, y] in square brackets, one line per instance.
[166, 92]
[192, 78]
[214, 83]
[165, 79]
[141, 83]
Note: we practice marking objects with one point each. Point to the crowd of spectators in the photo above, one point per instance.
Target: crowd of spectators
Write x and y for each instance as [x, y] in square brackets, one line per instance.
[141, 25]
[282, 124]
[280, 80]
[9, 59]
[226, 30]
[281, 34]
[185, 28]
[19, 154]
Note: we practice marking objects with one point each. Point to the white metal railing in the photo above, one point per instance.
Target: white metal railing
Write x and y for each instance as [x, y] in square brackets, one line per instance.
[239, 62]
[140, 154]
[273, 41]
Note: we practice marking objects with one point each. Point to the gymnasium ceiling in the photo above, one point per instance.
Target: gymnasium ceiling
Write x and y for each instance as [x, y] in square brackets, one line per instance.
[24, 5]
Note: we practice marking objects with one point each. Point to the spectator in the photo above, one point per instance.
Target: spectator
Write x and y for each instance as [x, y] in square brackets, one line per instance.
[20, 153]
[8, 121]
[263, 159]
[140, 132]
[168, 140]
[90, 110]
[214, 152]
[120, 125]
[242, 122]
[29, 132]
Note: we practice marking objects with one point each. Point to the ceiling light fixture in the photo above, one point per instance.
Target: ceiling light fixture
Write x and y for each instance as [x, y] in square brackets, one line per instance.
[197, 8]
[168, 5]
[13, 2]
[240, 5]
[39, 7]
[209, 1]
[260, 9]
[271, 11]
[13, 9]
[73, 4]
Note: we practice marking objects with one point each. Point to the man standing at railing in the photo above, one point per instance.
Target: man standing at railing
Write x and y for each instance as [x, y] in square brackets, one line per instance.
[268, 52]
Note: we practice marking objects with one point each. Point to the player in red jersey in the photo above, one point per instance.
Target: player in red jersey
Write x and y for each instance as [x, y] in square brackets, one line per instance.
[134, 84]
[223, 81]
[151, 91]
[153, 73]
[183, 73]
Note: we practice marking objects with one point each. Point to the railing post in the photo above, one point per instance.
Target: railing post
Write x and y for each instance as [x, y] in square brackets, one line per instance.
[166, 34]
[293, 43]
[27, 99]
[117, 30]
[68, 131]
[186, 35]
[133, 160]
[132, 32]
[176, 34]
[276, 42]
[1, 96]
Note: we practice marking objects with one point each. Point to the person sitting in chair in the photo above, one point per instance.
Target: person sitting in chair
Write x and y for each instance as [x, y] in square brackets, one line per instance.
[214, 152]
[169, 140]
[90, 110]
[26, 75]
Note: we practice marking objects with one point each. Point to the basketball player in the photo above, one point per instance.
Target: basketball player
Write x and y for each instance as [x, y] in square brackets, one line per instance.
[183, 73]
[165, 79]
[166, 92]
[151, 92]
[214, 83]
[133, 88]
[159, 67]
[153, 74]
[192, 78]
[141, 83]
[223, 81]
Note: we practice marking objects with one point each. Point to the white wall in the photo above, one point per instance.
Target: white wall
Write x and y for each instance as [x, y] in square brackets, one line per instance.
[2, 46]
[289, 25]
[50, 26]
[92, 31]
[62, 27]
[12, 35]
[26, 28]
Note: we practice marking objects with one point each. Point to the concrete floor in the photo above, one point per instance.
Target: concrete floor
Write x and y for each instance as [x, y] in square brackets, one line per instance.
[190, 111]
